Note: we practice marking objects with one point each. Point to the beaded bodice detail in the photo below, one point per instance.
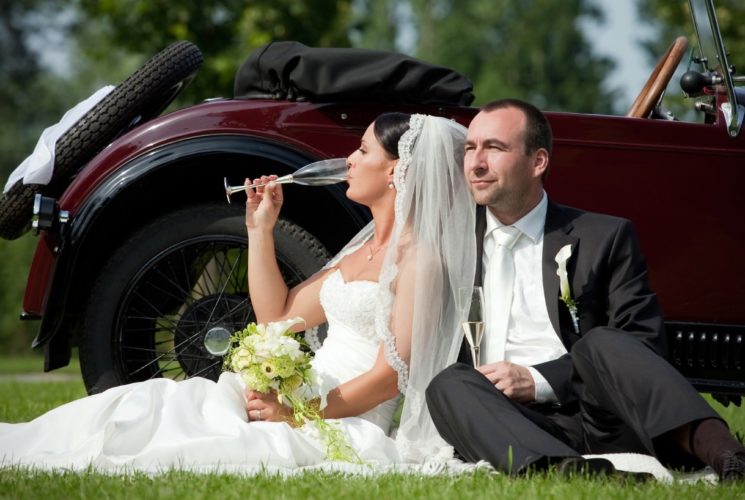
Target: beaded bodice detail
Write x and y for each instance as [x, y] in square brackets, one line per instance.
[352, 304]
[351, 346]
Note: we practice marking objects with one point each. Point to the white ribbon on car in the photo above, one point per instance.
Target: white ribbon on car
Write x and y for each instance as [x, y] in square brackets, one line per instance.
[38, 167]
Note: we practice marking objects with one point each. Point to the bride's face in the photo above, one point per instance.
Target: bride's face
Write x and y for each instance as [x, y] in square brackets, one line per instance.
[370, 171]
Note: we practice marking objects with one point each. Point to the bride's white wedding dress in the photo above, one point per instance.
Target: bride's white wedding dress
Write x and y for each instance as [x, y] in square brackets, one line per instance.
[201, 425]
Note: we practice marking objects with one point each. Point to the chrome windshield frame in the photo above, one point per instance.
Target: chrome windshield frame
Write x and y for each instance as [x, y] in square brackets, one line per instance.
[733, 112]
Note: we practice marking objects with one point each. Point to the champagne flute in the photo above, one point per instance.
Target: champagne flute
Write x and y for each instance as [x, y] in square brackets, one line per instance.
[319, 173]
[471, 305]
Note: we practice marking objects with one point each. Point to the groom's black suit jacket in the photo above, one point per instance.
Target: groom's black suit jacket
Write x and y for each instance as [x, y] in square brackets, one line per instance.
[608, 280]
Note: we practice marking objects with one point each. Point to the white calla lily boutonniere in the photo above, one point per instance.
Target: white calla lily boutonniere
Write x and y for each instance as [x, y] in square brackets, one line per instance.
[562, 257]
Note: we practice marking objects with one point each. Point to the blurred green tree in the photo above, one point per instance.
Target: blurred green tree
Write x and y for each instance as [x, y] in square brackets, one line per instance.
[29, 95]
[15, 256]
[535, 50]
[375, 24]
[226, 31]
[673, 19]
[31, 98]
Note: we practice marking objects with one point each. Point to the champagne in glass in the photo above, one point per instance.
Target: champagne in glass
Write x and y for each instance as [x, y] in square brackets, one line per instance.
[320, 173]
[471, 305]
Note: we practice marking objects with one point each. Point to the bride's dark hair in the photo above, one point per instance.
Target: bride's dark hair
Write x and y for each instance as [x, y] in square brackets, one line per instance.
[388, 129]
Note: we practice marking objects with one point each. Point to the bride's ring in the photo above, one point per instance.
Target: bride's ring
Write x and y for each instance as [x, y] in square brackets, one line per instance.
[258, 414]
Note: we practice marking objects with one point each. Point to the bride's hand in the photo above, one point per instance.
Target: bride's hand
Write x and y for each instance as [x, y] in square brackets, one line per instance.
[263, 203]
[266, 407]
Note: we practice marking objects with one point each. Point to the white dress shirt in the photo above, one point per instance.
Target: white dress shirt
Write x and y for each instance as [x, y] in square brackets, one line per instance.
[531, 339]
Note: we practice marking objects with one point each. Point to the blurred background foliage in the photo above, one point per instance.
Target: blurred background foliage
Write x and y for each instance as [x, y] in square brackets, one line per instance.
[54, 53]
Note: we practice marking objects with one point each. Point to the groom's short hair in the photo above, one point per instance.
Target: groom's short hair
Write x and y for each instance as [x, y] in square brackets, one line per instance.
[537, 130]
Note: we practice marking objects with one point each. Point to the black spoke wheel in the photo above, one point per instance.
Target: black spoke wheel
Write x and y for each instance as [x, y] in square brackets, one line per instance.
[173, 286]
[170, 305]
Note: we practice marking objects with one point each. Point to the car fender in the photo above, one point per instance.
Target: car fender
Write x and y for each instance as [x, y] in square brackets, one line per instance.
[91, 199]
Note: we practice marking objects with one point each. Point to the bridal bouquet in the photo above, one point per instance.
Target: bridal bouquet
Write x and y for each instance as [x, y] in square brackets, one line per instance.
[272, 357]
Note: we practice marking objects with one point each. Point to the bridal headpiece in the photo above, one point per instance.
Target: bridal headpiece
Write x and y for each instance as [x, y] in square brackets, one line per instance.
[405, 148]
[405, 155]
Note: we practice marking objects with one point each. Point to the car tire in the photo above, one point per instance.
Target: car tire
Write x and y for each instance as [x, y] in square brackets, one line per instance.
[176, 279]
[139, 98]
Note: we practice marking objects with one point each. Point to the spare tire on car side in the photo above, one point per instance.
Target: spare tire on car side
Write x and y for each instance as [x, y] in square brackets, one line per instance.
[139, 98]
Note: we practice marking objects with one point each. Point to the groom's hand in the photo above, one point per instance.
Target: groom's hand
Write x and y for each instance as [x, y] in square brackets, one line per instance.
[515, 381]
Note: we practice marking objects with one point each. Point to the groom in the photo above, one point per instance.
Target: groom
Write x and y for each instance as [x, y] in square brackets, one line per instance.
[571, 365]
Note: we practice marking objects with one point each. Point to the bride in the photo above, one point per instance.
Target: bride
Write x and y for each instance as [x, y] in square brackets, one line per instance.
[388, 298]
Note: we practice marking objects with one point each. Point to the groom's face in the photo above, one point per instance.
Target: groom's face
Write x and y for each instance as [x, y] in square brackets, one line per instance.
[500, 173]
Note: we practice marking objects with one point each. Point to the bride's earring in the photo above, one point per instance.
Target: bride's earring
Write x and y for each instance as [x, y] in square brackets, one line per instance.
[391, 185]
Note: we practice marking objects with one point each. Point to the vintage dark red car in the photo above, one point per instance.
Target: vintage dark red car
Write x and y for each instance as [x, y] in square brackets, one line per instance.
[141, 261]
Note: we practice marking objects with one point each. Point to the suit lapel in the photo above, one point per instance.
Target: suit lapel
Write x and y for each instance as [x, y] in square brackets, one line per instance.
[465, 351]
[556, 235]
[480, 230]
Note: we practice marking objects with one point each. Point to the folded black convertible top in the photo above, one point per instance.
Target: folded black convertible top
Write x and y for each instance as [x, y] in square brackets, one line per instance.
[293, 71]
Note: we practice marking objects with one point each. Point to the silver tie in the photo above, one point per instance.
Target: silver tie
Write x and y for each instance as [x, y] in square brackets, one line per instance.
[500, 277]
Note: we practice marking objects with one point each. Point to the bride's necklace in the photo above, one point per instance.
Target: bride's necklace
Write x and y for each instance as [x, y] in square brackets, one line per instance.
[373, 251]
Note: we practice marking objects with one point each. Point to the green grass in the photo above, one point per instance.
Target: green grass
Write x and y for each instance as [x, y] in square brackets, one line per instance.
[21, 400]
[325, 486]
[34, 364]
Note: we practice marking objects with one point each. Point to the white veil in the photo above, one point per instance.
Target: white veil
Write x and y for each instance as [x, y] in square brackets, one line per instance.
[431, 253]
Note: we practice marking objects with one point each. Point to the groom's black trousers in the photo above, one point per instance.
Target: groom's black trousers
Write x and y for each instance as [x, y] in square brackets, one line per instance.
[627, 399]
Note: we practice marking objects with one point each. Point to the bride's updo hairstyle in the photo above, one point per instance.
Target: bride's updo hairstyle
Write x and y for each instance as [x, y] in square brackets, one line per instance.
[388, 129]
